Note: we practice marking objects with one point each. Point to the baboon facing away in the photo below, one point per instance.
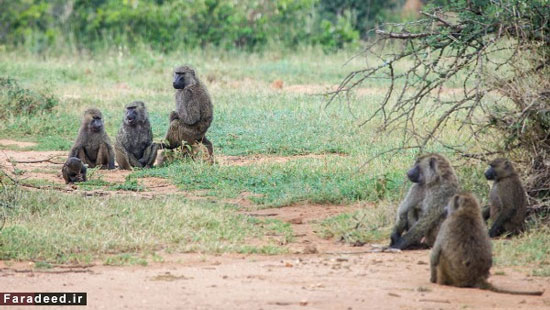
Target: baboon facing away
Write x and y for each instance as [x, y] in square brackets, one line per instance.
[74, 171]
[507, 199]
[461, 255]
[194, 110]
[134, 145]
[421, 212]
[93, 146]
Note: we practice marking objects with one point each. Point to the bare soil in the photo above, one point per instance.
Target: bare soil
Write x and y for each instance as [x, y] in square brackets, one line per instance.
[318, 274]
[307, 281]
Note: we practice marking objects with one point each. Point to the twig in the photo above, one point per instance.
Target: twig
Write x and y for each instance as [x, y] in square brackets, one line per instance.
[402, 36]
[49, 159]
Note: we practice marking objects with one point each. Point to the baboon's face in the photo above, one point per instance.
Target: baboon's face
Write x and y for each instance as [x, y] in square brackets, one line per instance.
[95, 123]
[423, 168]
[499, 168]
[74, 166]
[183, 76]
[135, 113]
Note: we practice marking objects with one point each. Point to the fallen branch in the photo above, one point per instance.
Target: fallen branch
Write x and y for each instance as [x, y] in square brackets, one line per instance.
[49, 159]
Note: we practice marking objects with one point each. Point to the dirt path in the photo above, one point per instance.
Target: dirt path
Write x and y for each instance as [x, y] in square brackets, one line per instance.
[358, 281]
[303, 218]
[319, 274]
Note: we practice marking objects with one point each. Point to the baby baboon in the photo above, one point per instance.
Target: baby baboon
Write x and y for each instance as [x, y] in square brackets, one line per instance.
[423, 209]
[193, 114]
[74, 171]
[507, 199]
[461, 255]
[93, 146]
[134, 145]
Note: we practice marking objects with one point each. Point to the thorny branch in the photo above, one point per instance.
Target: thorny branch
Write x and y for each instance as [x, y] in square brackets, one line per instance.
[498, 51]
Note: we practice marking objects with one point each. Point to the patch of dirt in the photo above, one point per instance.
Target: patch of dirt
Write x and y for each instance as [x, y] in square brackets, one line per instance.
[33, 166]
[340, 281]
[20, 144]
[37, 167]
[303, 218]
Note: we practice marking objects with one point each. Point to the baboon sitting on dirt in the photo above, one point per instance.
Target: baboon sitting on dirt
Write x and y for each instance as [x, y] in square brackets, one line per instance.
[421, 212]
[134, 145]
[93, 146]
[461, 255]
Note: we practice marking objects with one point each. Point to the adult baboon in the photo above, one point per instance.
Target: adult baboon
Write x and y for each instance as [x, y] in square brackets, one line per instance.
[461, 255]
[194, 109]
[507, 199]
[134, 145]
[93, 146]
[423, 209]
[74, 171]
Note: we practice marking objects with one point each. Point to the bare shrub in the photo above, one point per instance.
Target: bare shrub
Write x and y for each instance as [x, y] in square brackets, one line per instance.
[498, 54]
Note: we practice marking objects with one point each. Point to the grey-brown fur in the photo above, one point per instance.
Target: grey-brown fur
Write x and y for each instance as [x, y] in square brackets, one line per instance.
[93, 146]
[73, 171]
[507, 199]
[421, 212]
[194, 110]
[461, 255]
[134, 145]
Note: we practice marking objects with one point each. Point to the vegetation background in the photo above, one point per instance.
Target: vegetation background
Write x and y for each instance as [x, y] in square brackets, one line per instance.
[182, 24]
[267, 64]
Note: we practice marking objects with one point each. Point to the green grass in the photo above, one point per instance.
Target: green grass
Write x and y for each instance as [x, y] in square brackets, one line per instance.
[371, 224]
[325, 180]
[250, 119]
[60, 228]
[531, 248]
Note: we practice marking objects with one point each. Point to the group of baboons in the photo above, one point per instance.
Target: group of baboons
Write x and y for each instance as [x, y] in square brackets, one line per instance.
[434, 213]
[134, 146]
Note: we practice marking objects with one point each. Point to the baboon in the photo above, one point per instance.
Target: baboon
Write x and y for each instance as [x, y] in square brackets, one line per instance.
[507, 199]
[193, 114]
[461, 255]
[423, 209]
[74, 171]
[134, 145]
[93, 146]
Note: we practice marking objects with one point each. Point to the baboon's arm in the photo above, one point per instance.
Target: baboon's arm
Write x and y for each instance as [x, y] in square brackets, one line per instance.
[134, 162]
[504, 216]
[111, 152]
[129, 157]
[413, 198]
[433, 210]
[83, 172]
[190, 110]
[149, 155]
[83, 156]
[419, 230]
[434, 261]
[486, 212]
[74, 150]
